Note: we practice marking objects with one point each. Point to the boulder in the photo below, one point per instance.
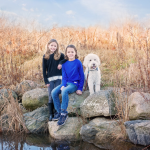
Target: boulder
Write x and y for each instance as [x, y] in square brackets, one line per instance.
[101, 103]
[70, 131]
[35, 98]
[5, 94]
[139, 104]
[101, 132]
[75, 101]
[36, 121]
[24, 86]
[138, 131]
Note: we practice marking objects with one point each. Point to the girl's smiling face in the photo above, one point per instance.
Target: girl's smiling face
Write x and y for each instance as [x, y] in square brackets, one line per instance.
[52, 46]
[71, 53]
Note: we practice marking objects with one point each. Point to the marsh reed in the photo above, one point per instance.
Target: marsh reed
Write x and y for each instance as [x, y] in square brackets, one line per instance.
[124, 52]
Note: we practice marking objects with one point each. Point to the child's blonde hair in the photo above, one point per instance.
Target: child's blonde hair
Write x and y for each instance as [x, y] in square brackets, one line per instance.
[57, 54]
[71, 46]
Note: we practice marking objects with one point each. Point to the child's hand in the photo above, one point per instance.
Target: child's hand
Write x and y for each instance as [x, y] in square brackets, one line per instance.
[79, 92]
[59, 66]
[47, 85]
[61, 88]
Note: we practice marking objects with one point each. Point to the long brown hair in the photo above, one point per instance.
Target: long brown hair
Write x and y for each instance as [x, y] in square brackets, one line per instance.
[57, 54]
[71, 46]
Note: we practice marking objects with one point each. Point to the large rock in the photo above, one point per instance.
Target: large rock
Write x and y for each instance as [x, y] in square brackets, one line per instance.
[25, 86]
[5, 95]
[36, 121]
[75, 101]
[35, 98]
[138, 131]
[70, 131]
[101, 132]
[101, 103]
[139, 106]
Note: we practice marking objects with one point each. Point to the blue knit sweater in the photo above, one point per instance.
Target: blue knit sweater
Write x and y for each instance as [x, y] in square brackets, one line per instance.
[72, 72]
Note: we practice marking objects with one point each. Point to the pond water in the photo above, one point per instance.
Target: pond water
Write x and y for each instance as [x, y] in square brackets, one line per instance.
[45, 142]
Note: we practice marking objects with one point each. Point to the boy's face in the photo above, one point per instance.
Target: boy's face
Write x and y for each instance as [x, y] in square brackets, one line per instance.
[52, 46]
[71, 53]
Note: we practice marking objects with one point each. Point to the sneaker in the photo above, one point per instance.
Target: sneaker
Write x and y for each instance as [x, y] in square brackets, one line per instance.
[62, 119]
[56, 116]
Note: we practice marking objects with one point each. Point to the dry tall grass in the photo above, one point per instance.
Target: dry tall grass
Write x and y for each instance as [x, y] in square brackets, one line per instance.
[119, 48]
[11, 118]
[124, 52]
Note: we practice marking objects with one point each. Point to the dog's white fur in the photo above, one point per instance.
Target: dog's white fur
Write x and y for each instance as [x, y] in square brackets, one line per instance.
[92, 63]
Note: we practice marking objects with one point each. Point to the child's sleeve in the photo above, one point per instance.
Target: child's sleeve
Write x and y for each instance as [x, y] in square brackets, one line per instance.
[44, 65]
[62, 61]
[81, 73]
[64, 76]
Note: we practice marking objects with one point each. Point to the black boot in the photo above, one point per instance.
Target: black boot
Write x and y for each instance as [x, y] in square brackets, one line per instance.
[51, 114]
[54, 111]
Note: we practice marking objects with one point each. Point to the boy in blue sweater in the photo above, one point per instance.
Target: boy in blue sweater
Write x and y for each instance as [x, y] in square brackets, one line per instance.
[72, 80]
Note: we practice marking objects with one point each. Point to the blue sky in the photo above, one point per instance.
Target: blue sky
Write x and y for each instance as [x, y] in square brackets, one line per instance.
[75, 12]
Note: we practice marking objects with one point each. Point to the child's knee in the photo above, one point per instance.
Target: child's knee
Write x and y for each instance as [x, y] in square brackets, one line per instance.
[64, 91]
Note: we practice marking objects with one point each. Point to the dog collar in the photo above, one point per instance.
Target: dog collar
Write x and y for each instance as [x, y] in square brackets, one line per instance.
[92, 70]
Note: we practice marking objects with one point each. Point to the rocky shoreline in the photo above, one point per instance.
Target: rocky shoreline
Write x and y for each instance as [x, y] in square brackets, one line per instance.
[90, 117]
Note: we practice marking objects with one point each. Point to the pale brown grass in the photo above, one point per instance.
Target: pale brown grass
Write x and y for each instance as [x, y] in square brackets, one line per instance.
[11, 118]
[117, 47]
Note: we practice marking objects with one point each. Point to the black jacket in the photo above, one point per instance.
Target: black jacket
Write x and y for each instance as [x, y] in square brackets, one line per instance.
[50, 67]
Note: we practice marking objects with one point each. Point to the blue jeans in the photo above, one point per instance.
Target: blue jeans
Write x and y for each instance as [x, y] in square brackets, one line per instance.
[53, 84]
[70, 88]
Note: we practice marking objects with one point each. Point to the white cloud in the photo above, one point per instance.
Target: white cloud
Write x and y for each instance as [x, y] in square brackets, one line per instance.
[135, 16]
[69, 12]
[49, 18]
[38, 15]
[58, 5]
[112, 9]
[23, 8]
[23, 4]
[31, 9]
[7, 13]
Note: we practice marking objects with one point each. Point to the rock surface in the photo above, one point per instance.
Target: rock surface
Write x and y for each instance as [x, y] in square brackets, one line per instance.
[101, 103]
[5, 94]
[36, 121]
[138, 131]
[25, 86]
[70, 131]
[35, 98]
[139, 106]
[100, 132]
[75, 101]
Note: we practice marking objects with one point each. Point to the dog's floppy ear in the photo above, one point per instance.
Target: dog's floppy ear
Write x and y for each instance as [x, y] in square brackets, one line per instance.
[85, 62]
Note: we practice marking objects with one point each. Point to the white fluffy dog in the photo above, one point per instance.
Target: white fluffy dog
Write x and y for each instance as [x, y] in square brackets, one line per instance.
[92, 72]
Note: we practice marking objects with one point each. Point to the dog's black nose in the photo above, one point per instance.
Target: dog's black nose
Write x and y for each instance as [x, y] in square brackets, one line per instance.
[93, 64]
